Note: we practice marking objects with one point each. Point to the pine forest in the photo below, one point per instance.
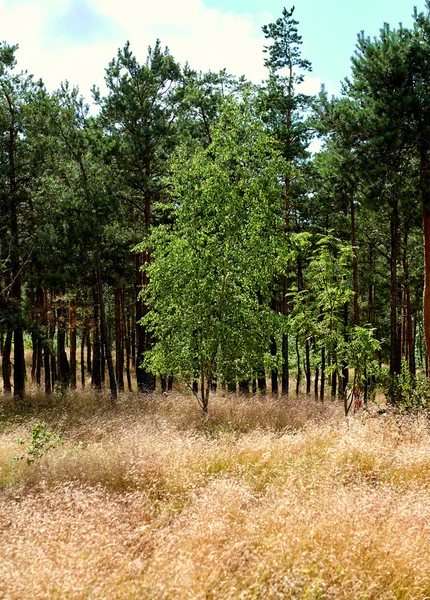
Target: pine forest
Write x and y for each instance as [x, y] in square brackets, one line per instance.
[213, 291]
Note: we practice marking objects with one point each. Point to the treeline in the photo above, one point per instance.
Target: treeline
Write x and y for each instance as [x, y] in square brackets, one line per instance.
[182, 229]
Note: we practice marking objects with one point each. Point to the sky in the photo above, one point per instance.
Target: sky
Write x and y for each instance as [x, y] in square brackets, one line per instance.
[76, 39]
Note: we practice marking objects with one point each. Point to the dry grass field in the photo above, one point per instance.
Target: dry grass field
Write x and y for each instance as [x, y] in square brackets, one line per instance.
[267, 499]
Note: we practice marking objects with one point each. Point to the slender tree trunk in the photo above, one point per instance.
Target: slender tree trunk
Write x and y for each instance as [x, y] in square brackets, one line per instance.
[334, 380]
[345, 371]
[88, 344]
[96, 374]
[133, 336]
[15, 260]
[274, 372]
[285, 382]
[83, 341]
[126, 329]
[46, 344]
[63, 362]
[299, 368]
[204, 391]
[145, 379]
[119, 338]
[322, 387]
[395, 357]
[308, 366]
[261, 382]
[104, 337]
[34, 346]
[354, 266]
[6, 366]
[409, 331]
[316, 375]
[425, 199]
[52, 329]
[39, 361]
[72, 344]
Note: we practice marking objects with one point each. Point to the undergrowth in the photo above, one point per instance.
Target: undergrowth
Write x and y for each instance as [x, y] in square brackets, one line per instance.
[265, 499]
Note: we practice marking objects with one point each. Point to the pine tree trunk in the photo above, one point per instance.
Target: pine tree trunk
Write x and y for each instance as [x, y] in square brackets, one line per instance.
[345, 371]
[316, 375]
[322, 386]
[133, 335]
[104, 338]
[126, 329]
[39, 361]
[409, 330]
[299, 368]
[285, 383]
[395, 356]
[6, 364]
[425, 199]
[145, 379]
[261, 383]
[83, 341]
[119, 338]
[88, 345]
[15, 261]
[96, 372]
[46, 344]
[33, 356]
[308, 366]
[274, 372]
[63, 363]
[354, 266]
[72, 344]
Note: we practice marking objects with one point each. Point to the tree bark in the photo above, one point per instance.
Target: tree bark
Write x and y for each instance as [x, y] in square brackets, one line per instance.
[96, 372]
[63, 362]
[6, 365]
[119, 338]
[395, 355]
[83, 340]
[322, 386]
[425, 199]
[354, 265]
[126, 328]
[72, 344]
[104, 337]
[299, 368]
[408, 326]
[308, 366]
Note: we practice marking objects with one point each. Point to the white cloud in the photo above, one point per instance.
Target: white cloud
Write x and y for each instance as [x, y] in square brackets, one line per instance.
[206, 38]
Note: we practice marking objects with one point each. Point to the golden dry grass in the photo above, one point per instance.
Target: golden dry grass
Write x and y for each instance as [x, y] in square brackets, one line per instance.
[267, 499]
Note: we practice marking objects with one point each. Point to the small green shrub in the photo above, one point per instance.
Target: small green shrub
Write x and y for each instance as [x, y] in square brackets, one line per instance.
[409, 393]
[41, 441]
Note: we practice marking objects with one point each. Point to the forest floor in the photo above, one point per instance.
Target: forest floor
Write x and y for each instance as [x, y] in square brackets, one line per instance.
[266, 499]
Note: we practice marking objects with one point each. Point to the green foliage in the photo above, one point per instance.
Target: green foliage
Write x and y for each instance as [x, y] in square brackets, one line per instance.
[212, 271]
[408, 393]
[316, 309]
[40, 443]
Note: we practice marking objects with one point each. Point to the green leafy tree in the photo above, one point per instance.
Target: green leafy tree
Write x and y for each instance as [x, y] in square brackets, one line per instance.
[209, 288]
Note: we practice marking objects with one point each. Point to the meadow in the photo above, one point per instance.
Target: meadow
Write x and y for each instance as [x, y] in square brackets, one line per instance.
[267, 498]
